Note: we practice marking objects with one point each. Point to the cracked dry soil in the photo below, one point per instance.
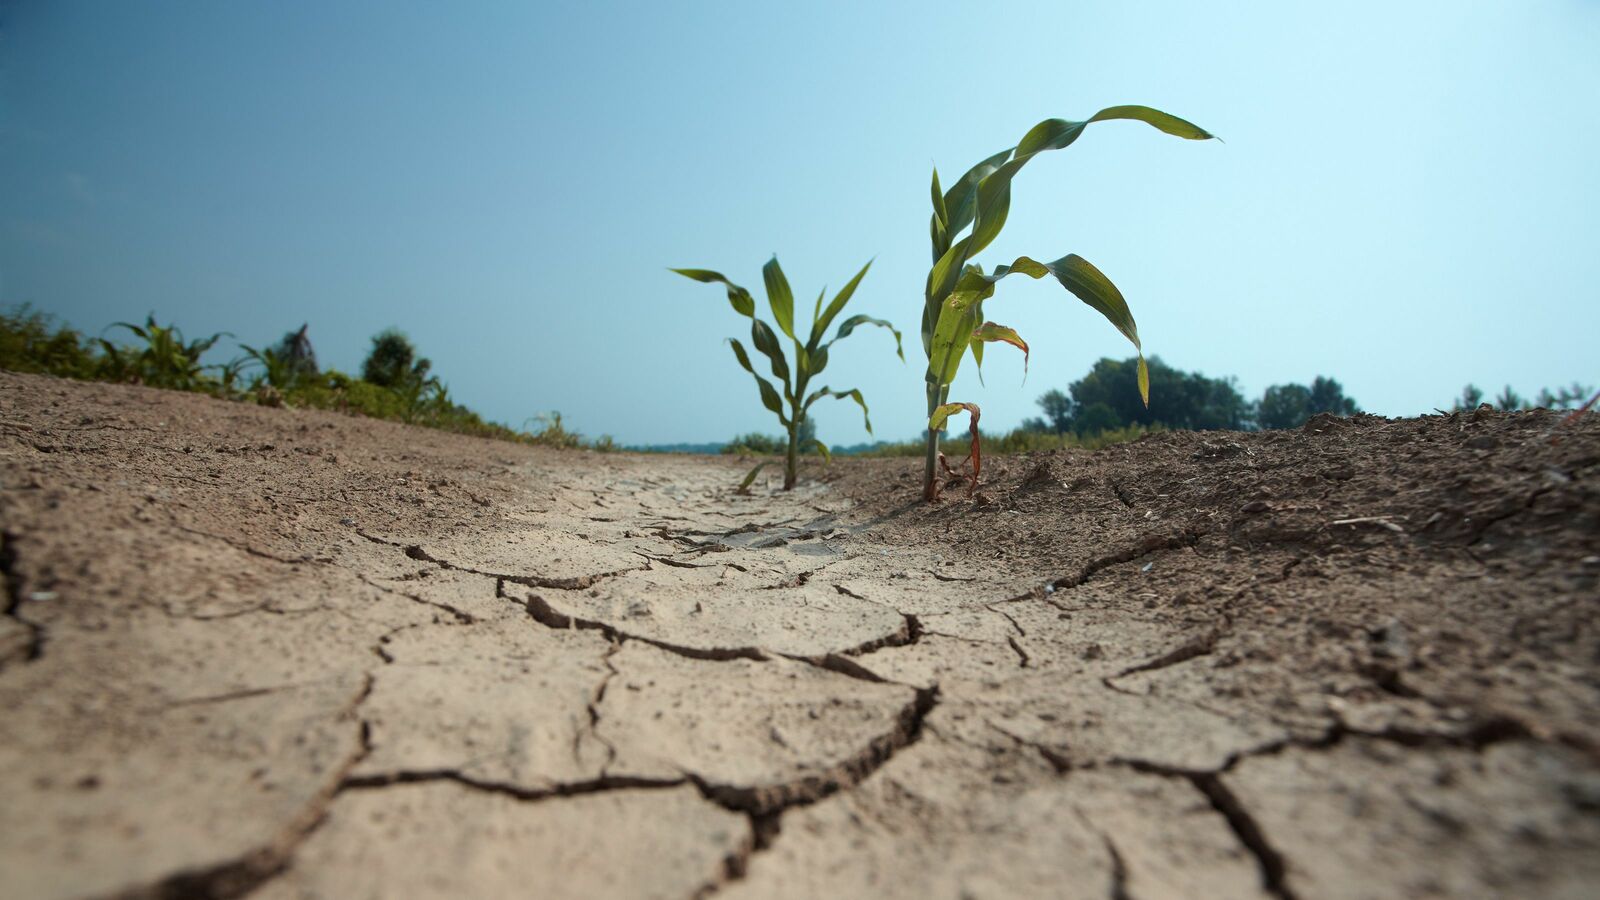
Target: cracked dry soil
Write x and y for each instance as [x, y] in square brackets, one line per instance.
[291, 654]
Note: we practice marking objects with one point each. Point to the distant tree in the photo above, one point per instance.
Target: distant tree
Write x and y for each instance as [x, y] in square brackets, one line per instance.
[1284, 406]
[393, 362]
[1569, 397]
[1327, 396]
[1057, 408]
[1291, 405]
[1471, 398]
[1509, 400]
[1095, 418]
[295, 349]
[1178, 399]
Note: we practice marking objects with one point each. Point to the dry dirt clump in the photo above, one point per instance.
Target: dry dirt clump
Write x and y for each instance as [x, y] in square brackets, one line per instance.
[292, 654]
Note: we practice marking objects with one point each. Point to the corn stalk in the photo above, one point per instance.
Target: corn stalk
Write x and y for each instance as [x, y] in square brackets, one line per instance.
[952, 315]
[810, 354]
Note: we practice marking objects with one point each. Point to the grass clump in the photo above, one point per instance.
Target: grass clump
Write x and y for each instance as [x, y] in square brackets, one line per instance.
[281, 374]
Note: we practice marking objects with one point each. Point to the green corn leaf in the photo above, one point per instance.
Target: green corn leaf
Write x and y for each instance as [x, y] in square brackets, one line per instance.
[960, 201]
[820, 326]
[779, 296]
[767, 342]
[952, 338]
[750, 477]
[1164, 121]
[769, 394]
[852, 394]
[939, 214]
[819, 361]
[990, 195]
[1090, 285]
[738, 297]
[849, 325]
[991, 332]
[827, 455]
[816, 314]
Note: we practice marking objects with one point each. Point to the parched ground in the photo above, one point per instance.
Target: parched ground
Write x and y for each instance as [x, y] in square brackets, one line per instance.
[291, 654]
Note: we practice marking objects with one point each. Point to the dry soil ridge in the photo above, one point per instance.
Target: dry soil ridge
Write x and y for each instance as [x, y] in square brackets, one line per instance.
[262, 651]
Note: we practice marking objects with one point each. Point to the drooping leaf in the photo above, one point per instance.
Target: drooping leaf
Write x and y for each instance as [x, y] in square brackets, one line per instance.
[779, 296]
[769, 394]
[738, 297]
[827, 455]
[1088, 284]
[989, 195]
[849, 325]
[975, 454]
[1166, 122]
[852, 394]
[820, 327]
[990, 332]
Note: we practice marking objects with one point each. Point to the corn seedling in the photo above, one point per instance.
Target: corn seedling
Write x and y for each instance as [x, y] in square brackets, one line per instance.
[810, 355]
[952, 315]
[166, 361]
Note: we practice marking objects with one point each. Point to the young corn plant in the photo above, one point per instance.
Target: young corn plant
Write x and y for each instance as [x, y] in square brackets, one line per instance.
[166, 361]
[952, 316]
[810, 351]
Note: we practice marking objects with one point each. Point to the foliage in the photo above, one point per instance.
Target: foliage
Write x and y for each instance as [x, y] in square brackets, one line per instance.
[393, 362]
[952, 317]
[810, 357]
[1108, 398]
[756, 444]
[165, 361]
[30, 341]
[1018, 440]
[1292, 405]
[1569, 397]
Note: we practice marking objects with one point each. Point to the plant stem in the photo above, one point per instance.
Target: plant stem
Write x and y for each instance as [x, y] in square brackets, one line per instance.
[792, 466]
[936, 396]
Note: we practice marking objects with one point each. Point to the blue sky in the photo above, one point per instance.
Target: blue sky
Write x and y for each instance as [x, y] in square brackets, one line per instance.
[1406, 199]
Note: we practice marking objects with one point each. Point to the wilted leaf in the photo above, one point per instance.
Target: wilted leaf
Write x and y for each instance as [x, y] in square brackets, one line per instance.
[742, 302]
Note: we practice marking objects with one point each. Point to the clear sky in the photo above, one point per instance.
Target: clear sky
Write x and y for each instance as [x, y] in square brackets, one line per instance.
[1408, 198]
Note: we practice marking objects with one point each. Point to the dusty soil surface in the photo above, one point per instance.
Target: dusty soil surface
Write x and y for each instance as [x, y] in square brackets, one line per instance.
[290, 654]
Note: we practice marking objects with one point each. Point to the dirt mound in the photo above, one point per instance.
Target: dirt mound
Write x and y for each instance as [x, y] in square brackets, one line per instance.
[304, 655]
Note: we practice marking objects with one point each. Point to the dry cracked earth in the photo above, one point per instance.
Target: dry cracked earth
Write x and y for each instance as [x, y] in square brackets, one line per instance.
[292, 654]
